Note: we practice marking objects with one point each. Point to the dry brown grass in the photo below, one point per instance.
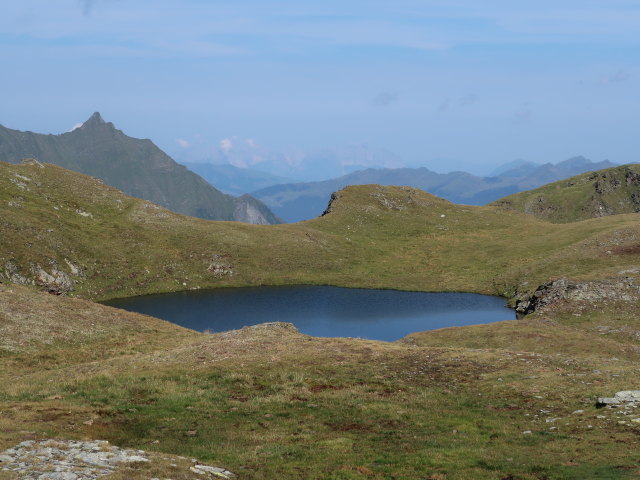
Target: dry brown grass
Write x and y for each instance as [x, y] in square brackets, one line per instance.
[48, 331]
[267, 390]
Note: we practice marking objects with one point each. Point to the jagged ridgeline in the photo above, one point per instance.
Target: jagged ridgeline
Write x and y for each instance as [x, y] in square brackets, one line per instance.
[301, 201]
[606, 192]
[136, 166]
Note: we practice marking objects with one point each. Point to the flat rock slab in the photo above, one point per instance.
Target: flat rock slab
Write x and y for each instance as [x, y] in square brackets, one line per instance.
[622, 398]
[76, 460]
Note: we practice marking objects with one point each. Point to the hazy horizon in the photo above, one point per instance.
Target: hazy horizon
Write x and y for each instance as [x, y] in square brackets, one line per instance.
[453, 85]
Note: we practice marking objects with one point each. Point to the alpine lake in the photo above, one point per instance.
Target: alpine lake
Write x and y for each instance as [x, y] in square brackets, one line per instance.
[321, 311]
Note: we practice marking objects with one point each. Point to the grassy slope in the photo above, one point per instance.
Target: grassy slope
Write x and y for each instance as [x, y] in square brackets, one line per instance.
[595, 194]
[268, 402]
[389, 237]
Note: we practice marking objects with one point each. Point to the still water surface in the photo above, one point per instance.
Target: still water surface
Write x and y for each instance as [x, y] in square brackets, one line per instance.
[321, 311]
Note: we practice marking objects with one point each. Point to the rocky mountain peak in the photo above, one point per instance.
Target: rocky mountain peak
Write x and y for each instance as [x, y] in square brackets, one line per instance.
[94, 121]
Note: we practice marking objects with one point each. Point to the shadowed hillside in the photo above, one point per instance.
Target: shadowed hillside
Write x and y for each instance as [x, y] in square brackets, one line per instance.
[137, 167]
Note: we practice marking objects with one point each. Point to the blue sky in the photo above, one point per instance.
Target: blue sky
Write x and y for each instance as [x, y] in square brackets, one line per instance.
[455, 84]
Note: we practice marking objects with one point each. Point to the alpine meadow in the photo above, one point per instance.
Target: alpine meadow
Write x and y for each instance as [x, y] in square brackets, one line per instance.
[284, 240]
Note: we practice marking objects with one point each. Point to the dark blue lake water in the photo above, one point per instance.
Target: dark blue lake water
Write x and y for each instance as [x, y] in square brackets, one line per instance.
[321, 311]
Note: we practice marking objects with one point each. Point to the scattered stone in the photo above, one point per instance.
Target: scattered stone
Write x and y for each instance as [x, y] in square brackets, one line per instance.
[75, 270]
[31, 161]
[82, 213]
[206, 469]
[220, 270]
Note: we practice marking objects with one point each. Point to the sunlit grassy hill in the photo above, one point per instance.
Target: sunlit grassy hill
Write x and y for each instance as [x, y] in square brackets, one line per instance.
[65, 230]
[605, 192]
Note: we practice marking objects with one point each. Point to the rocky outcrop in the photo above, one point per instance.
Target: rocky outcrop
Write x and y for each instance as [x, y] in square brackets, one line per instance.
[12, 274]
[335, 196]
[55, 280]
[623, 288]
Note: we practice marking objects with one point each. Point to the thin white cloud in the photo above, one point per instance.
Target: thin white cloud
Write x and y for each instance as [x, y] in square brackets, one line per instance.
[183, 143]
[226, 144]
[210, 29]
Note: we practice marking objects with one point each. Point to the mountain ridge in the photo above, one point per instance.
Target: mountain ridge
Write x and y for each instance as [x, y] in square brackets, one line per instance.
[136, 166]
[235, 180]
[304, 200]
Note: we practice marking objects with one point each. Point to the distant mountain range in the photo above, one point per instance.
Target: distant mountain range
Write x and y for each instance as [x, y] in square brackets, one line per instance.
[307, 165]
[234, 180]
[135, 166]
[295, 202]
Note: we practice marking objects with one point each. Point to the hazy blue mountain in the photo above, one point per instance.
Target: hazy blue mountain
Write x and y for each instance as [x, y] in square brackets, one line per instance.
[548, 172]
[306, 165]
[135, 166]
[518, 165]
[294, 202]
[234, 180]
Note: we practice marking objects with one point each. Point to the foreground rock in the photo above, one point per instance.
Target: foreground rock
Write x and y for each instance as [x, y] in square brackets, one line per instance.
[625, 398]
[76, 460]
